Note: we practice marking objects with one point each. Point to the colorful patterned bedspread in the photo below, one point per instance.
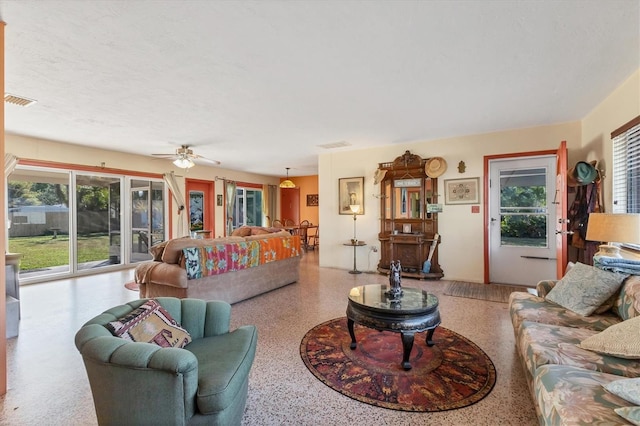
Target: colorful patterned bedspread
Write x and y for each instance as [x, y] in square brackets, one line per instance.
[218, 259]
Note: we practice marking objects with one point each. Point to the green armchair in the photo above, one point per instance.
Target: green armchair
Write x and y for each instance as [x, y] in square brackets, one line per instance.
[206, 382]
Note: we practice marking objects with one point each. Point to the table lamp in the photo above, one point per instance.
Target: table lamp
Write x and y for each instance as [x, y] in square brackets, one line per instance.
[613, 228]
[355, 208]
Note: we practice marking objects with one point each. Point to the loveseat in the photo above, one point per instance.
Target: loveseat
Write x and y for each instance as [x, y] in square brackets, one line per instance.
[569, 383]
[253, 261]
[199, 378]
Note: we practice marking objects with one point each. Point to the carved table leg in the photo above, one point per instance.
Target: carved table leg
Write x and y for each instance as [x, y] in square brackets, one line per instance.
[430, 337]
[407, 345]
[351, 333]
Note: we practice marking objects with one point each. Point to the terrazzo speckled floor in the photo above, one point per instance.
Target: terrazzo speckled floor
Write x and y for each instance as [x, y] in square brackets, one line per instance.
[48, 383]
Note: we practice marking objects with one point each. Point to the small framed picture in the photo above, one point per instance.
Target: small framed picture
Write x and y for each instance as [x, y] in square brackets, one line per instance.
[462, 191]
[351, 193]
[312, 199]
[219, 200]
[406, 228]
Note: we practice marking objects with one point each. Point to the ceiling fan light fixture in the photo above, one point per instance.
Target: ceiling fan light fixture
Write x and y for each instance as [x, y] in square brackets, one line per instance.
[184, 163]
[287, 183]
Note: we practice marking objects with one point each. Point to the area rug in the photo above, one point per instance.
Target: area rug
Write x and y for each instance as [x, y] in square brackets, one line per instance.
[454, 373]
[490, 292]
[132, 285]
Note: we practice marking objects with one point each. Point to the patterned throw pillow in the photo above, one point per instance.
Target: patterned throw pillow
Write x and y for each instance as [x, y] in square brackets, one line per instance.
[621, 340]
[632, 414]
[151, 323]
[584, 288]
[627, 389]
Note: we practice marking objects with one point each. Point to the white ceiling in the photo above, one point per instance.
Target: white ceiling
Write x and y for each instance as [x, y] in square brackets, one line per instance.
[261, 85]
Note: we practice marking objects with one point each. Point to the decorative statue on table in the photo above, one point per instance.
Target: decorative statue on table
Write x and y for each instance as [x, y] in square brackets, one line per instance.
[395, 287]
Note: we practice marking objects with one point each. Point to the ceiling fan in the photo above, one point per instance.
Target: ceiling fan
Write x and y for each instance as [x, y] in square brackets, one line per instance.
[184, 156]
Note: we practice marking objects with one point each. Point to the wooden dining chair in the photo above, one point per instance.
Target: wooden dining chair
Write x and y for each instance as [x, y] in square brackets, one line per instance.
[277, 223]
[313, 240]
[302, 232]
[289, 222]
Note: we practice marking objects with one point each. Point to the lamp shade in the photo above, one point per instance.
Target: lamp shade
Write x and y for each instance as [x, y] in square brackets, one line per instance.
[287, 183]
[183, 163]
[614, 228]
[355, 208]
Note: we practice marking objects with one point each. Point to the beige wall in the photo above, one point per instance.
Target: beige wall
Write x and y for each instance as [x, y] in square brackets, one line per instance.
[617, 109]
[461, 252]
[45, 150]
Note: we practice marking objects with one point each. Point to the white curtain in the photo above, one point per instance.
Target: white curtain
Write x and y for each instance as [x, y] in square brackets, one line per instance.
[183, 224]
[230, 188]
[10, 163]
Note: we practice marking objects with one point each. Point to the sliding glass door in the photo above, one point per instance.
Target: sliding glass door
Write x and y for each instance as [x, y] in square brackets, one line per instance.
[65, 222]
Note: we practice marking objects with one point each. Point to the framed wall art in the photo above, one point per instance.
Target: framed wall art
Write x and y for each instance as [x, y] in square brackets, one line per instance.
[312, 200]
[350, 192]
[462, 191]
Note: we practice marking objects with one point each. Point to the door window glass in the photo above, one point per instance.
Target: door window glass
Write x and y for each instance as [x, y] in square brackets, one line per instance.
[97, 221]
[523, 207]
[38, 221]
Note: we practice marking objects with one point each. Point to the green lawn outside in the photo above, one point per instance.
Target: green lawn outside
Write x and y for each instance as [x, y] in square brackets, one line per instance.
[46, 252]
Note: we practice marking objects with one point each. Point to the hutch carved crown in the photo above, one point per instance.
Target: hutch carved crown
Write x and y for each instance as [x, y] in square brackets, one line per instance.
[408, 228]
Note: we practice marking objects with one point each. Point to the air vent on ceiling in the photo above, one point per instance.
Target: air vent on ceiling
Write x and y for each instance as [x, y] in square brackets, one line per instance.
[18, 100]
[340, 144]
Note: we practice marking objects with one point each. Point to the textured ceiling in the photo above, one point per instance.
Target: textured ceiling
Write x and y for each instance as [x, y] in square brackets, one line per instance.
[260, 85]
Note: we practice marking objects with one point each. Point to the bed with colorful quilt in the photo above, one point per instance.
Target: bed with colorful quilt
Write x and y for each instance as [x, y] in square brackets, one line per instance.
[231, 269]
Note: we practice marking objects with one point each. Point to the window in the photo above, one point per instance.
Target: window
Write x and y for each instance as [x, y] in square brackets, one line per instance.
[626, 167]
[248, 207]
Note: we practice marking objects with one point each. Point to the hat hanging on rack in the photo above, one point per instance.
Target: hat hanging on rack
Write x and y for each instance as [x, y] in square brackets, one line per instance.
[378, 176]
[435, 167]
[583, 173]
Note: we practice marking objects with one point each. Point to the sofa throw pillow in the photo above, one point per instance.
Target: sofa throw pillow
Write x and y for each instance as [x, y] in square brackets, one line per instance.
[157, 250]
[627, 389]
[621, 340]
[243, 231]
[151, 323]
[584, 288]
[631, 414]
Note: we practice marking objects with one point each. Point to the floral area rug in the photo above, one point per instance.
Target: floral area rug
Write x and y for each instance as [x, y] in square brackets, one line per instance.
[454, 373]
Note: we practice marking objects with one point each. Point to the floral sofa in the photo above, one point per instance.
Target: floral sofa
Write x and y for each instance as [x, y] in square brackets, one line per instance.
[574, 377]
[253, 261]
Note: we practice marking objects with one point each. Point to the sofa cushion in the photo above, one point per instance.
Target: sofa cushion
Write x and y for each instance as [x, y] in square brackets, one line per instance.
[540, 344]
[621, 340]
[628, 303]
[527, 307]
[571, 396]
[224, 362]
[628, 389]
[150, 323]
[584, 288]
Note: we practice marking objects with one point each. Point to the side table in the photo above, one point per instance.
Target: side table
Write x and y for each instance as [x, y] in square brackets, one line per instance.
[355, 245]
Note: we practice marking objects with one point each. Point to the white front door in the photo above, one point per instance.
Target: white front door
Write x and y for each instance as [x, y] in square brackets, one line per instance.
[522, 241]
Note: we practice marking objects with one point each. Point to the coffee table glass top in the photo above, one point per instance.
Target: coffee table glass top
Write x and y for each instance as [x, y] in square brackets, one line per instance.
[412, 300]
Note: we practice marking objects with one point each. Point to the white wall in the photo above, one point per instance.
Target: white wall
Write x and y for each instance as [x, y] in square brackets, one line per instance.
[46, 150]
[621, 106]
[461, 253]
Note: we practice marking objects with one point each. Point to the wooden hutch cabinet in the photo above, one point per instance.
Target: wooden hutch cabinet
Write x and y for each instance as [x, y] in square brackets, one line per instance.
[407, 229]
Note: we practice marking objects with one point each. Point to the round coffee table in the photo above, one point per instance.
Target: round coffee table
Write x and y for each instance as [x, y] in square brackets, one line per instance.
[413, 312]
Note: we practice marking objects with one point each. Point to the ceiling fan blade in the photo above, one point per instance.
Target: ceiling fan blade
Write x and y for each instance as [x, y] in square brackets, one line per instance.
[205, 159]
[164, 155]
